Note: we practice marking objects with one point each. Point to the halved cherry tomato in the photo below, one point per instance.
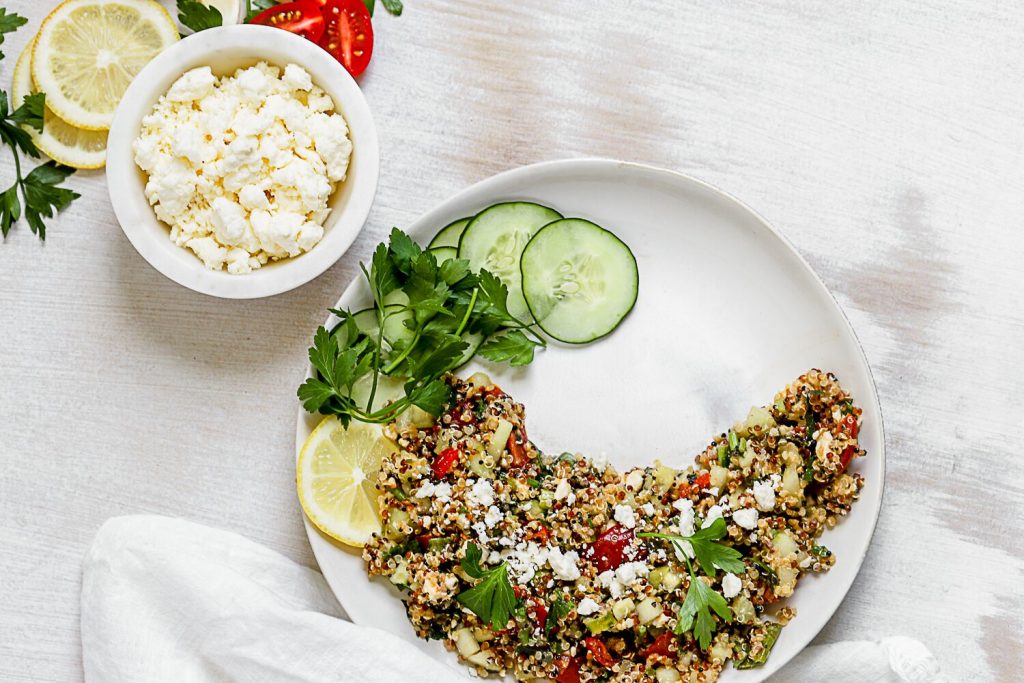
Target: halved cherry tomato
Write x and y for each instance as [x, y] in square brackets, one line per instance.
[349, 34]
[302, 18]
[444, 462]
[609, 550]
[660, 646]
[570, 669]
[599, 650]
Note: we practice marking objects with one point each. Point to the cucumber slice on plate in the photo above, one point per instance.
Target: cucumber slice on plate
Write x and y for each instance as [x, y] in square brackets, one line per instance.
[579, 280]
[395, 315]
[443, 254]
[494, 240]
[449, 235]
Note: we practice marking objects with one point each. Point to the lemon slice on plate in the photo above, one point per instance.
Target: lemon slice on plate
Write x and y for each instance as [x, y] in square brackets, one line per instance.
[62, 142]
[88, 51]
[337, 477]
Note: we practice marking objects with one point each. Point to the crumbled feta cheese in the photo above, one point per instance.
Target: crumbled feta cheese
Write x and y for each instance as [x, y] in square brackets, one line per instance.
[564, 565]
[764, 495]
[481, 493]
[493, 516]
[686, 520]
[625, 516]
[635, 479]
[714, 512]
[241, 168]
[648, 509]
[746, 518]
[524, 561]
[823, 447]
[587, 607]
[731, 586]
[562, 489]
[627, 574]
[441, 491]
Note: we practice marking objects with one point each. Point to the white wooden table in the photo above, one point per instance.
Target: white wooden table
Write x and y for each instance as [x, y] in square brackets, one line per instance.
[885, 139]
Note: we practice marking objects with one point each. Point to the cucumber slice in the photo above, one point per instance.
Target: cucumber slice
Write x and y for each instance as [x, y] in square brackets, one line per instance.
[443, 254]
[394, 318]
[494, 240]
[449, 235]
[579, 280]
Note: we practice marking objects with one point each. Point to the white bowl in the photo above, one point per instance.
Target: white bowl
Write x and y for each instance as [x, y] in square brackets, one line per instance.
[226, 49]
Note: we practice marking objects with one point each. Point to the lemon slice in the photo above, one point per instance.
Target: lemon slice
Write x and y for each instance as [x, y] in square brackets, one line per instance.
[88, 51]
[337, 477]
[60, 141]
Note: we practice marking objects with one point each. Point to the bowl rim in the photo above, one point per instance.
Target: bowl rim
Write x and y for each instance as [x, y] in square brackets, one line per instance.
[137, 218]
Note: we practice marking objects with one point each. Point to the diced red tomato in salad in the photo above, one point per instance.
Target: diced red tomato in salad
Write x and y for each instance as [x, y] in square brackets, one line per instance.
[444, 462]
[703, 481]
[539, 611]
[609, 550]
[599, 651]
[661, 646]
[850, 426]
[517, 447]
[570, 672]
[846, 456]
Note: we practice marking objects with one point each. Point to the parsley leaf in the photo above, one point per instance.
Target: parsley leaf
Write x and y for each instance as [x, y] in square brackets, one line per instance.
[492, 598]
[197, 16]
[40, 193]
[393, 7]
[710, 554]
[559, 609]
[514, 347]
[439, 306]
[9, 23]
[43, 196]
[701, 599]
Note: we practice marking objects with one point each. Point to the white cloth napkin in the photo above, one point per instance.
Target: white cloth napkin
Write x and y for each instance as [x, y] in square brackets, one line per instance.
[168, 600]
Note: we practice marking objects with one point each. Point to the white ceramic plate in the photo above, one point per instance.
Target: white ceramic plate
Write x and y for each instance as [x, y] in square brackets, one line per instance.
[728, 313]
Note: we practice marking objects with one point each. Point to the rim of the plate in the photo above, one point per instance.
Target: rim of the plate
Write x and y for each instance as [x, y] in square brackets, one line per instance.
[319, 543]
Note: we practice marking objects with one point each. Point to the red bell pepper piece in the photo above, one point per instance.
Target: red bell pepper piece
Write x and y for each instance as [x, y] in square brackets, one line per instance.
[444, 462]
[570, 669]
[660, 646]
[850, 426]
[539, 611]
[846, 456]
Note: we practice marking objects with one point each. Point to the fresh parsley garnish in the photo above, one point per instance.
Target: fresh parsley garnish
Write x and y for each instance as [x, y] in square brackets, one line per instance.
[440, 304]
[492, 598]
[710, 554]
[36, 195]
[701, 599]
[197, 16]
[560, 608]
[9, 23]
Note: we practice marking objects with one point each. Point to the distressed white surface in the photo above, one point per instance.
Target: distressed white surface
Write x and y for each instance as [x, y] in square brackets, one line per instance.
[885, 139]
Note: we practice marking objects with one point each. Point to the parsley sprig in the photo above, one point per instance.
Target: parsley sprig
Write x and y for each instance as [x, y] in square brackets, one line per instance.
[36, 195]
[701, 599]
[198, 16]
[444, 302]
[492, 598]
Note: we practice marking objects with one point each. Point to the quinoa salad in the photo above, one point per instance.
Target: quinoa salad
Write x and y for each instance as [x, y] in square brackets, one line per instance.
[556, 567]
